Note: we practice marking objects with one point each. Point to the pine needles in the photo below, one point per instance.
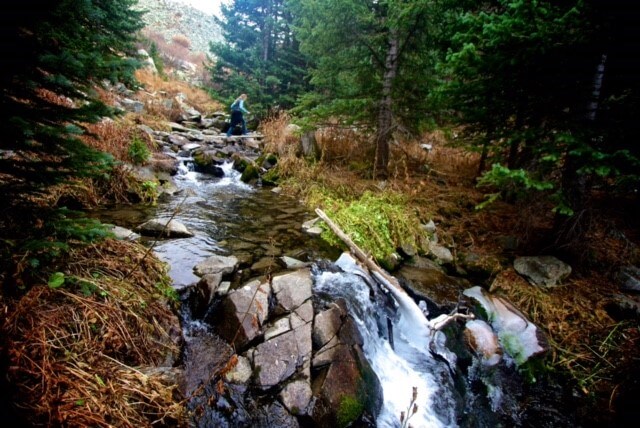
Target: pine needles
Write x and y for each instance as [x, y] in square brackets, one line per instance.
[78, 354]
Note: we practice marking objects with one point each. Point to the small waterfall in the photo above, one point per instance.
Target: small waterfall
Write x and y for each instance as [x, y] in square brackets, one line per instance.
[407, 365]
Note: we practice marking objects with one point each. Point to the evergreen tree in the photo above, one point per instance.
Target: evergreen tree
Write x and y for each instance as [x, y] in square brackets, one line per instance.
[537, 82]
[260, 55]
[51, 57]
[372, 62]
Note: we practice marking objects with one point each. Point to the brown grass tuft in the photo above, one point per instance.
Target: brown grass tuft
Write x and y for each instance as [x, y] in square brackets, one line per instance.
[77, 354]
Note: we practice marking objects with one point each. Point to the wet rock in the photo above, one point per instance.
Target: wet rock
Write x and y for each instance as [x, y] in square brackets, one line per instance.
[432, 285]
[223, 288]
[296, 396]
[277, 359]
[216, 264]
[326, 325]
[208, 285]
[275, 415]
[347, 390]
[161, 227]
[242, 313]
[311, 227]
[483, 341]
[292, 290]
[291, 263]
[542, 270]
[265, 264]
[124, 234]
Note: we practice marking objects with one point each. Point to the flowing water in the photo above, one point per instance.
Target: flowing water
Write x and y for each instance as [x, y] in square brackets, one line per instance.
[407, 365]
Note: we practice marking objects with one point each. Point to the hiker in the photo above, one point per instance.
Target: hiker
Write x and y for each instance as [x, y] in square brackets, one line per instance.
[237, 118]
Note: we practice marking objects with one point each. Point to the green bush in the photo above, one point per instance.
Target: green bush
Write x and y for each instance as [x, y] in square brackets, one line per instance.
[138, 152]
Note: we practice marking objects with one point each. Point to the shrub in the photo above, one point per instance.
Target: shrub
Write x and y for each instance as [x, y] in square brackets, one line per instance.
[138, 152]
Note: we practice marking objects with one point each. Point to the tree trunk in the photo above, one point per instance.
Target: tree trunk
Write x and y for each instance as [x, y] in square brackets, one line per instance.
[385, 113]
[575, 185]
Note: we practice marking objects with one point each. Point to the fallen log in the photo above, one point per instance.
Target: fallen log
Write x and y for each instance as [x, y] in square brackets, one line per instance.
[390, 283]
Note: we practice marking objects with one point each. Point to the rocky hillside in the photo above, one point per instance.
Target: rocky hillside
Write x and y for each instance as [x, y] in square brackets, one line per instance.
[173, 18]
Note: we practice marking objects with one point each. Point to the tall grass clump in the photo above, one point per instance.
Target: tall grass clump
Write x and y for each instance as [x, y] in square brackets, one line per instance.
[378, 223]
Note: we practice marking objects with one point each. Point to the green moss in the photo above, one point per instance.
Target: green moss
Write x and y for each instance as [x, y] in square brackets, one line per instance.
[201, 159]
[249, 173]
[271, 177]
[240, 164]
[377, 223]
[350, 409]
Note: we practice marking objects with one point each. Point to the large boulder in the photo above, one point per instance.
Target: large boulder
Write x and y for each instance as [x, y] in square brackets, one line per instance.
[346, 389]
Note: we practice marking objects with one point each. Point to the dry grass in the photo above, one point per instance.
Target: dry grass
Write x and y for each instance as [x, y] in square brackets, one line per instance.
[78, 354]
[585, 341]
[195, 97]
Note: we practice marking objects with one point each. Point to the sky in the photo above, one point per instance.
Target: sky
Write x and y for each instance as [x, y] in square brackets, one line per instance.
[209, 6]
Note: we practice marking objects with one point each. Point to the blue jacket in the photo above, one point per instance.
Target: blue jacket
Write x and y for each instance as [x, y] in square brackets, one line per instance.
[238, 105]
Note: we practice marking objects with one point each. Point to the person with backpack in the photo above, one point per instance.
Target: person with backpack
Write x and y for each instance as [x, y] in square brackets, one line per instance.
[237, 118]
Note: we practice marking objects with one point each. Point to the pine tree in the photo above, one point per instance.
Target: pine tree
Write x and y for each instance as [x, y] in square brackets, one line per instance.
[260, 55]
[52, 56]
[371, 63]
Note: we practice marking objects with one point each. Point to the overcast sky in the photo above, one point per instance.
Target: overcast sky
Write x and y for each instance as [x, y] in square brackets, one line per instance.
[208, 6]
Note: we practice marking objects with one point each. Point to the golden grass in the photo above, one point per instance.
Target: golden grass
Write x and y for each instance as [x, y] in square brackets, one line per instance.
[195, 97]
[78, 354]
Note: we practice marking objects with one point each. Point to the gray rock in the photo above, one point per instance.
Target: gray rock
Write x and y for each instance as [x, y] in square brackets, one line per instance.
[124, 234]
[279, 327]
[208, 285]
[442, 254]
[296, 396]
[292, 290]
[291, 263]
[277, 359]
[243, 312]
[326, 326]
[241, 373]
[216, 264]
[132, 105]
[542, 270]
[629, 277]
[223, 288]
[162, 227]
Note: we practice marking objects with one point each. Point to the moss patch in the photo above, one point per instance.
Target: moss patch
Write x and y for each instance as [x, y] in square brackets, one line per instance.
[377, 223]
[350, 409]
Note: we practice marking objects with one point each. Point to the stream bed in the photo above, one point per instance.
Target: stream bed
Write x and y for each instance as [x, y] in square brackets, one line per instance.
[259, 227]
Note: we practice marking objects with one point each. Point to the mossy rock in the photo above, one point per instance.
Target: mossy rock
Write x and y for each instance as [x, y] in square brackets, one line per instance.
[271, 177]
[250, 174]
[240, 164]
